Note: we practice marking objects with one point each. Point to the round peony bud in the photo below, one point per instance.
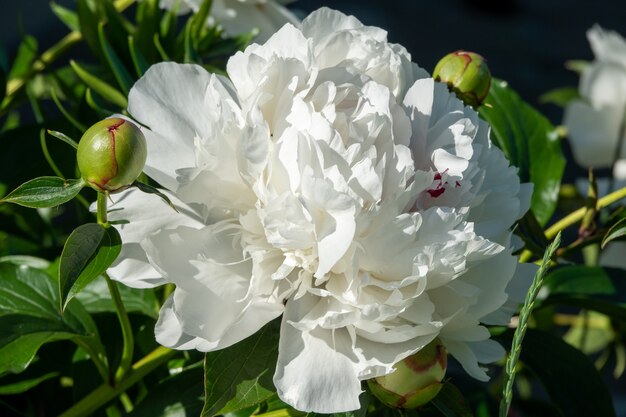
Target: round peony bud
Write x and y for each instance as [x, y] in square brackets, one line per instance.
[466, 74]
[416, 380]
[111, 154]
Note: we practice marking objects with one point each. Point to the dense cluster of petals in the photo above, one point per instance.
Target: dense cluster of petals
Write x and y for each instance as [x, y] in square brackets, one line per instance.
[331, 182]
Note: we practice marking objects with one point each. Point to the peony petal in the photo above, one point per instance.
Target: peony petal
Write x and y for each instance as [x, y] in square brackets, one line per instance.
[170, 100]
[136, 215]
[316, 369]
[212, 279]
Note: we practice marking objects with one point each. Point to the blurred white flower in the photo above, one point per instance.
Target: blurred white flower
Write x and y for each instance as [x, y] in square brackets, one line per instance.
[333, 182]
[595, 122]
[242, 16]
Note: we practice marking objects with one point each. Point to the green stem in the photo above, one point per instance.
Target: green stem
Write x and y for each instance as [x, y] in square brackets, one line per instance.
[102, 368]
[574, 217]
[510, 366]
[105, 393]
[127, 331]
[102, 209]
[122, 315]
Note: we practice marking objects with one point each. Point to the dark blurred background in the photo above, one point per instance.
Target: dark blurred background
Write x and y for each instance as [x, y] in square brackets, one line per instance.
[525, 41]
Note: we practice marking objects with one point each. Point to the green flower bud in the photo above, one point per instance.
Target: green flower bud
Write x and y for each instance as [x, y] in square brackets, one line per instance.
[416, 380]
[111, 154]
[466, 74]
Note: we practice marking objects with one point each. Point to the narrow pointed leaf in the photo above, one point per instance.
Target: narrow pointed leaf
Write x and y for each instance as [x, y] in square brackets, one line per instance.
[560, 96]
[78, 125]
[199, 21]
[148, 21]
[93, 102]
[617, 231]
[24, 385]
[124, 80]
[88, 252]
[65, 15]
[140, 63]
[44, 192]
[63, 137]
[107, 91]
[26, 54]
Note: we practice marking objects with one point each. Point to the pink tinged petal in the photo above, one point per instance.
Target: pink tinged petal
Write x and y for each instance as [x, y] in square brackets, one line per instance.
[316, 370]
[593, 133]
[170, 100]
[212, 279]
[139, 215]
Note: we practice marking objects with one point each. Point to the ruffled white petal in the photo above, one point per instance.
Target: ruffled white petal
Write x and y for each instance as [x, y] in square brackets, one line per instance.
[170, 99]
[136, 215]
[316, 369]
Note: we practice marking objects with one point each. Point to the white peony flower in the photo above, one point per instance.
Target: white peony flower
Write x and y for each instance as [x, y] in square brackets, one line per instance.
[241, 16]
[596, 122]
[333, 182]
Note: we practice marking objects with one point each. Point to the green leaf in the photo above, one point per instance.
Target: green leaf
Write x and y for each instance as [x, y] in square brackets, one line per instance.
[26, 54]
[96, 298]
[29, 317]
[107, 91]
[560, 96]
[579, 280]
[88, 19]
[148, 21]
[199, 21]
[617, 231]
[140, 63]
[240, 376]
[177, 395]
[569, 377]
[124, 80]
[64, 138]
[88, 252]
[93, 102]
[451, 403]
[530, 142]
[78, 125]
[44, 192]
[67, 16]
[191, 54]
[24, 385]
